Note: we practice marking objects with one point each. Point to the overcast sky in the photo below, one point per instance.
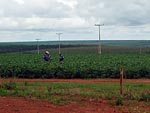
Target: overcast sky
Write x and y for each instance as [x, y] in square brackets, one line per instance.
[26, 20]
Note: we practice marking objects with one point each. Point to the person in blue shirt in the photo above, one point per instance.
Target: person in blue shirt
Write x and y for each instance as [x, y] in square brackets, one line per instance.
[47, 56]
[61, 57]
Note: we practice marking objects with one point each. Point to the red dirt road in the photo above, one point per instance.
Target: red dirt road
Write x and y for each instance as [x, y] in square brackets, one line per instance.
[78, 80]
[31, 105]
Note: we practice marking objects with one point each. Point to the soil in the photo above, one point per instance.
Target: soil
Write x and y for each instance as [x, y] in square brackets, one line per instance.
[77, 80]
[34, 105]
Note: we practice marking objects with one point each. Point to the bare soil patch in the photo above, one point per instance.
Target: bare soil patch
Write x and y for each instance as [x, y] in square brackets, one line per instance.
[32, 105]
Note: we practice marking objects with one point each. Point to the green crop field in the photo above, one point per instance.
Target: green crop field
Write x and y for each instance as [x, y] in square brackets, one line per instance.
[81, 59]
[79, 63]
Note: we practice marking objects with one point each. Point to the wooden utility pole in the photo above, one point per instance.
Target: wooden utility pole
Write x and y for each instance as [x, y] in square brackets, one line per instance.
[121, 80]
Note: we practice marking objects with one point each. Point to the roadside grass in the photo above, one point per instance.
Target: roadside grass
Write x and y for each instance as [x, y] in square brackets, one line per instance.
[133, 106]
[63, 93]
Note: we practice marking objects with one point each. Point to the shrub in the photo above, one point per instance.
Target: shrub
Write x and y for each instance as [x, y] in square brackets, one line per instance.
[9, 85]
[145, 96]
[119, 101]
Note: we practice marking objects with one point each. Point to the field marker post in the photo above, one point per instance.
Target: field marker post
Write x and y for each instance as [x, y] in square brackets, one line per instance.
[121, 80]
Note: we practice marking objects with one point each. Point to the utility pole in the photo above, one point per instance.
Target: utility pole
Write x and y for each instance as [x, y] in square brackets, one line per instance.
[38, 48]
[59, 40]
[99, 43]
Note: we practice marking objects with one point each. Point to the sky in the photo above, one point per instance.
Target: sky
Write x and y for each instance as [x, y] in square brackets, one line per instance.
[28, 20]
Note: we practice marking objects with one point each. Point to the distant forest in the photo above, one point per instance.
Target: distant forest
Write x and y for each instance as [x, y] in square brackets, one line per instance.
[23, 48]
[107, 45]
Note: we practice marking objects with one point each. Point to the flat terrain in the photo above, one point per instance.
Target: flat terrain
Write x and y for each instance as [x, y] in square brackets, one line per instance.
[81, 105]
[78, 80]
[30, 105]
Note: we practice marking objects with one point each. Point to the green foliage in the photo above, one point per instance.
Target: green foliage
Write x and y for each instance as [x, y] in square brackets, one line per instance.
[145, 96]
[26, 83]
[119, 101]
[9, 85]
[77, 64]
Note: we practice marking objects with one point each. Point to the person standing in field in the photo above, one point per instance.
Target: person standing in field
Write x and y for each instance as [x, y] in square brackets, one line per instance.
[61, 57]
[47, 56]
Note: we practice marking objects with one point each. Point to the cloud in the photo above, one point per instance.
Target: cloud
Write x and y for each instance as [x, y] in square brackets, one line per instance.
[129, 12]
[21, 2]
[6, 23]
[121, 17]
[115, 12]
[70, 3]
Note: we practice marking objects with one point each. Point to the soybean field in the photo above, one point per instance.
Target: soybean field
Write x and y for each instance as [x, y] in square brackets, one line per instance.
[80, 62]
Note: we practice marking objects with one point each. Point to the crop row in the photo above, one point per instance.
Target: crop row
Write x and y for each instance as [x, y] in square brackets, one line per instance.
[75, 65]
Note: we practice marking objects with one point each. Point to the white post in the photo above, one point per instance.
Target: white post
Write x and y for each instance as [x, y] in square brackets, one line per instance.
[99, 43]
[59, 40]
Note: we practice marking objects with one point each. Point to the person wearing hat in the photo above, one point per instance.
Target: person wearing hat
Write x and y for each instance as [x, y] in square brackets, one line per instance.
[47, 56]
